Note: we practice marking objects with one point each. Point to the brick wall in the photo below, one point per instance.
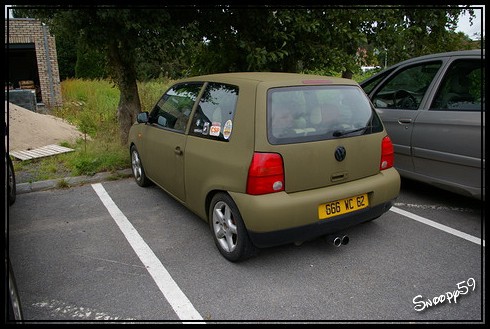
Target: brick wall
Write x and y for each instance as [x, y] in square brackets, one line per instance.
[28, 30]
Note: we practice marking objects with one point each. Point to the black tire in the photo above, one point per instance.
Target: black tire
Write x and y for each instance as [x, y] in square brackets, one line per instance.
[229, 232]
[14, 304]
[137, 168]
[12, 190]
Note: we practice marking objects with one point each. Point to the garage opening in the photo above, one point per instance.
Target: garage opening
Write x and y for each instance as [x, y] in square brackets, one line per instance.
[22, 68]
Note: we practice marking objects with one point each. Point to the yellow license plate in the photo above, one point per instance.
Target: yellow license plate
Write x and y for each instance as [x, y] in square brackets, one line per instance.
[344, 206]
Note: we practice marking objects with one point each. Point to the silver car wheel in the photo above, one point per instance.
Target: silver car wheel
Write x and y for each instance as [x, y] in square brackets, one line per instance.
[136, 165]
[224, 226]
[137, 168]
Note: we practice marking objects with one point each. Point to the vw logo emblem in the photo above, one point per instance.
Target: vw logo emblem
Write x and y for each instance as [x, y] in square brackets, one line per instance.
[340, 153]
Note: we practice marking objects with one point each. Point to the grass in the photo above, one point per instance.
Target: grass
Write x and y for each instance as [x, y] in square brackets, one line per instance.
[91, 106]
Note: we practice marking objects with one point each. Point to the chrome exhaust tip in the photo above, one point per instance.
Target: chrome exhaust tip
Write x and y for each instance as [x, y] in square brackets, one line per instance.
[335, 240]
[345, 240]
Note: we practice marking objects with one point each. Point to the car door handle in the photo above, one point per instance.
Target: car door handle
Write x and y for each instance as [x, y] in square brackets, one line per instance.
[178, 151]
[404, 121]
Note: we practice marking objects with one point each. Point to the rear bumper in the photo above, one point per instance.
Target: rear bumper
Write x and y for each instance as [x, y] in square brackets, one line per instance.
[318, 229]
[279, 218]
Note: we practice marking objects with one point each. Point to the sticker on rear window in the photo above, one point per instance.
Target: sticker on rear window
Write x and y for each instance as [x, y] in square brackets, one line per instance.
[215, 129]
[227, 129]
[205, 128]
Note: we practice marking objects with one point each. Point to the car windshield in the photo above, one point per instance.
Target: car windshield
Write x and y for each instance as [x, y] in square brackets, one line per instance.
[309, 113]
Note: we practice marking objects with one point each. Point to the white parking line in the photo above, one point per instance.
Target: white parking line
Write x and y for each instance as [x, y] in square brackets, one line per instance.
[433, 207]
[171, 291]
[441, 227]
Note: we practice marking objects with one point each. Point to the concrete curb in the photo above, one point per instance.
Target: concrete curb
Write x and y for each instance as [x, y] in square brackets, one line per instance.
[71, 181]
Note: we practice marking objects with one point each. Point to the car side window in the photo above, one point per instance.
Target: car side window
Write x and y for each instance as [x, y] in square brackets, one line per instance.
[172, 111]
[461, 88]
[369, 86]
[213, 118]
[406, 88]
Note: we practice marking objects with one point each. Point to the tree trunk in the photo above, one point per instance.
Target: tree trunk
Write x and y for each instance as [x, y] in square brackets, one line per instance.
[347, 74]
[124, 69]
[128, 108]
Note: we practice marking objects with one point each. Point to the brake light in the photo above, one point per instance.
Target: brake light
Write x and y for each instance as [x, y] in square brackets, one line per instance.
[315, 82]
[265, 174]
[387, 154]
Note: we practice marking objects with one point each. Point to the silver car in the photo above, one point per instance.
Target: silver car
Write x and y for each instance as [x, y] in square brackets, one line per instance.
[433, 108]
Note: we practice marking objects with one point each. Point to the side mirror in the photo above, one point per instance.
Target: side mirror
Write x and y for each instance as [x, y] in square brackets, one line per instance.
[142, 117]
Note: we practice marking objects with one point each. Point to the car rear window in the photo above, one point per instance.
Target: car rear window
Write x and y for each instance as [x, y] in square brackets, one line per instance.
[311, 113]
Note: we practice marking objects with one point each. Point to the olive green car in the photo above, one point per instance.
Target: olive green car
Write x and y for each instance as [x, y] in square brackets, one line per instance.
[267, 158]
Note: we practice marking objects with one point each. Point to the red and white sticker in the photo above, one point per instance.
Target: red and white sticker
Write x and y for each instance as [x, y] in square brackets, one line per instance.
[215, 129]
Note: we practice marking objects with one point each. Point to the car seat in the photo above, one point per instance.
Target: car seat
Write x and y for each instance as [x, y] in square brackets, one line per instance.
[458, 92]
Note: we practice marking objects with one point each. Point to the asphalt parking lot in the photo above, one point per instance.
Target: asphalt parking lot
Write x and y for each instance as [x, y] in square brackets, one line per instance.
[114, 251]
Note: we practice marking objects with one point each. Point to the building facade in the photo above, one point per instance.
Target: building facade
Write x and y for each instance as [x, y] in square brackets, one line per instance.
[32, 60]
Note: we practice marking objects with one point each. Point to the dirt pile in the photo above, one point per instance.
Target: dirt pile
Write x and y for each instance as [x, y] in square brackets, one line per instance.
[29, 130]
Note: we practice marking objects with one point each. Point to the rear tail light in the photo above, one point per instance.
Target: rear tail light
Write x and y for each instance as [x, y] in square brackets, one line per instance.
[266, 174]
[387, 154]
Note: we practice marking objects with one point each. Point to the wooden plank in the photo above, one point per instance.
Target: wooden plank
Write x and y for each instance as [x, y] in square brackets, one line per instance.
[40, 152]
[22, 155]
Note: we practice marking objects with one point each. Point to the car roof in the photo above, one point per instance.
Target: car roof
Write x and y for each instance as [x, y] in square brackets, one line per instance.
[457, 53]
[473, 52]
[282, 78]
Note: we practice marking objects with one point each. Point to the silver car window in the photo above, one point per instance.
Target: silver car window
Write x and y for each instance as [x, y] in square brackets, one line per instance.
[462, 87]
[406, 88]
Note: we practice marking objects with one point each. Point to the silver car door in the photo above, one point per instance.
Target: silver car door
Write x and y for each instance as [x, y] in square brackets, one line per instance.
[398, 103]
[447, 138]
